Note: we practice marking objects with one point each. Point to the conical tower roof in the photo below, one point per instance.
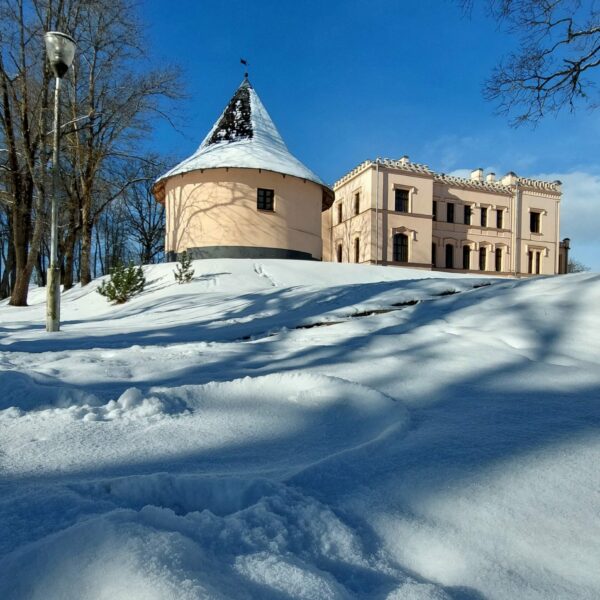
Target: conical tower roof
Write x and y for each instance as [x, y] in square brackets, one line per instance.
[244, 137]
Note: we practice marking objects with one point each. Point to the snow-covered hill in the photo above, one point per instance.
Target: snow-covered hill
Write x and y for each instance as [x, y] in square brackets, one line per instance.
[281, 429]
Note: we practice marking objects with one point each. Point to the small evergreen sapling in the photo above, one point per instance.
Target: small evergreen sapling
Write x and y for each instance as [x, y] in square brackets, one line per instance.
[184, 272]
[124, 282]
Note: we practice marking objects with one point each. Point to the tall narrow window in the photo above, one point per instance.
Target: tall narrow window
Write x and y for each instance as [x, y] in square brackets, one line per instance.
[356, 250]
[467, 214]
[484, 216]
[264, 199]
[498, 259]
[466, 257]
[499, 218]
[433, 254]
[530, 262]
[538, 262]
[449, 256]
[339, 253]
[401, 204]
[450, 212]
[482, 258]
[340, 215]
[400, 247]
[534, 222]
[434, 210]
[356, 203]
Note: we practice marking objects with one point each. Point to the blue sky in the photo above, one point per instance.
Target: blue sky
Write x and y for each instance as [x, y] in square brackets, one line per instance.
[349, 80]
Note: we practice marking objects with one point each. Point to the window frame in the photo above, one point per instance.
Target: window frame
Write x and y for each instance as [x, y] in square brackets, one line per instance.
[449, 264]
[483, 258]
[499, 218]
[267, 199]
[399, 249]
[535, 215]
[404, 201]
[466, 255]
[468, 216]
[484, 216]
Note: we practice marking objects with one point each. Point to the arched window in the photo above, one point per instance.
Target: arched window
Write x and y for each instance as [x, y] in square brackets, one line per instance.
[400, 247]
[356, 250]
[498, 259]
[482, 258]
[449, 256]
[339, 253]
[466, 257]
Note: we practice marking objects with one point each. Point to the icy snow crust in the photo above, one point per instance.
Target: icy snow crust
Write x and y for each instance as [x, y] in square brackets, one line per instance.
[261, 148]
[275, 430]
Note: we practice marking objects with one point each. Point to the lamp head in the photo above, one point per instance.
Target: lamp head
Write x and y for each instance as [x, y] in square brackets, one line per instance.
[60, 49]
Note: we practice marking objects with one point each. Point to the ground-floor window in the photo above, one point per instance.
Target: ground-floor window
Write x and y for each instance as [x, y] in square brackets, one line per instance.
[482, 259]
[433, 253]
[339, 253]
[357, 250]
[466, 257]
[498, 259]
[400, 247]
[534, 262]
[449, 256]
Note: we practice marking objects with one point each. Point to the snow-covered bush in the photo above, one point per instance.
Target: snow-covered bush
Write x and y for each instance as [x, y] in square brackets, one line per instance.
[184, 272]
[124, 282]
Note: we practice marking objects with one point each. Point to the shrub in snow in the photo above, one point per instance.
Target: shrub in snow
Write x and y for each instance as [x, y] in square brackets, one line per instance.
[124, 282]
[184, 272]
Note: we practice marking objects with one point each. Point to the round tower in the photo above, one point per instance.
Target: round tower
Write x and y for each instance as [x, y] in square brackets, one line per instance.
[242, 194]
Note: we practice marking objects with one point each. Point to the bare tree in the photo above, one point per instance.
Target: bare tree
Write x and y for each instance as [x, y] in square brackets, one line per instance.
[146, 217]
[112, 96]
[556, 63]
[575, 266]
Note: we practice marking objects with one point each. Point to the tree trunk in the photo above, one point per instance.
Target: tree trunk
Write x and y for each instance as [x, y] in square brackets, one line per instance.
[86, 246]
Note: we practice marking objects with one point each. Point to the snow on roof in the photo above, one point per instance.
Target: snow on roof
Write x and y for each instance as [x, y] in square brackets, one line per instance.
[244, 137]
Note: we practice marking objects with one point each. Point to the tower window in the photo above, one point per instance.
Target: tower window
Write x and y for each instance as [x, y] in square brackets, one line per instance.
[499, 218]
[534, 222]
[484, 216]
[450, 212]
[265, 199]
[356, 203]
[401, 201]
[434, 210]
[340, 213]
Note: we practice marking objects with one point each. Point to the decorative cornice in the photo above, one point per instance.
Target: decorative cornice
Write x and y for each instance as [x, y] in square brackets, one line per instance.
[505, 186]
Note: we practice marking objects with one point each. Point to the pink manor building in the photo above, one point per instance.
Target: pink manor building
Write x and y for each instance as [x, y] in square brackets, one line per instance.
[242, 194]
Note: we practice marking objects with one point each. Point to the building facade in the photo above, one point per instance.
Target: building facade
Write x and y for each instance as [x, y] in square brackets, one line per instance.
[242, 194]
[396, 212]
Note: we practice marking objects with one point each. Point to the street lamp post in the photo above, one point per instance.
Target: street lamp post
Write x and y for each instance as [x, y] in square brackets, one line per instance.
[60, 49]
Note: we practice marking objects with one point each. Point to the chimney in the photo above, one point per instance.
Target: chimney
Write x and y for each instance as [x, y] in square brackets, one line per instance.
[490, 177]
[509, 179]
[477, 175]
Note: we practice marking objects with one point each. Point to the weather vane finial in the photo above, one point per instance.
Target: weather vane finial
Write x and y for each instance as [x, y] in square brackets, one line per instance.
[245, 63]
